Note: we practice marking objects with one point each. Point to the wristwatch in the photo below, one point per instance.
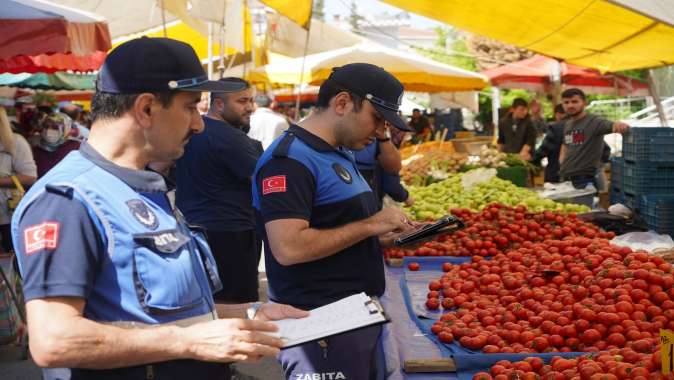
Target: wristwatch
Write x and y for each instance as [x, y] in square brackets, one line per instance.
[252, 310]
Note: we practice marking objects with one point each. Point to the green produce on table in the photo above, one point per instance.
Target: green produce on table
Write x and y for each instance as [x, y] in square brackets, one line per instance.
[435, 200]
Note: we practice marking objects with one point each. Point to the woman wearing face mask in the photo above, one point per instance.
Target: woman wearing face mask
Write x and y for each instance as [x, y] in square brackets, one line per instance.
[54, 144]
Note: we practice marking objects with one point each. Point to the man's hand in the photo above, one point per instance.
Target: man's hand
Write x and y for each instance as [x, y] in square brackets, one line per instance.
[387, 240]
[276, 311]
[525, 153]
[620, 127]
[229, 340]
[390, 219]
[409, 202]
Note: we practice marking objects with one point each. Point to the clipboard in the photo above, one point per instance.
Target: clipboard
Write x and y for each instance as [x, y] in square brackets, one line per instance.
[348, 314]
[446, 224]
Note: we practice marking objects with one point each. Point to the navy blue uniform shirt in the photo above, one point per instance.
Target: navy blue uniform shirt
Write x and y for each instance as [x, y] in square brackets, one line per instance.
[213, 178]
[300, 176]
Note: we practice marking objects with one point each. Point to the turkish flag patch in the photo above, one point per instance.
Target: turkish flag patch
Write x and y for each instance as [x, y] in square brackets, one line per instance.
[274, 184]
[41, 236]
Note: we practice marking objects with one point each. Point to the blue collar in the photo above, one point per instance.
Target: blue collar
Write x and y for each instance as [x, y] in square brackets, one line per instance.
[139, 180]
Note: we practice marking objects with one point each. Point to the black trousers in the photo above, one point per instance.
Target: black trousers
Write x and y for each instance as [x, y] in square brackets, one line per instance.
[237, 255]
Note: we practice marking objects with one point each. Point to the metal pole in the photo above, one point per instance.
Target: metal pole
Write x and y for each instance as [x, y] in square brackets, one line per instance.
[495, 105]
[210, 50]
[656, 98]
[299, 88]
[163, 17]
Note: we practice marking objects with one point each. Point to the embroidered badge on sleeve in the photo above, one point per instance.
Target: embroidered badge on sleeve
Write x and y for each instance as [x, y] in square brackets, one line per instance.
[41, 236]
[274, 184]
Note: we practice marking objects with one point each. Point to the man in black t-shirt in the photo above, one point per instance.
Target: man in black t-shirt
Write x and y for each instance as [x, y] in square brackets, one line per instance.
[516, 133]
[214, 192]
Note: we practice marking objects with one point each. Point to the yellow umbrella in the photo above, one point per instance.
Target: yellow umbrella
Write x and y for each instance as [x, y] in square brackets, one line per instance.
[416, 73]
[609, 35]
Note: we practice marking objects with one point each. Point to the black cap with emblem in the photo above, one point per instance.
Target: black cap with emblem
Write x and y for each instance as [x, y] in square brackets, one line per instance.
[155, 65]
[375, 84]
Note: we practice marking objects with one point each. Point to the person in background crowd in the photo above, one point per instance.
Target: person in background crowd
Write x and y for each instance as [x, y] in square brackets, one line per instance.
[214, 191]
[16, 159]
[421, 126]
[78, 131]
[265, 124]
[551, 146]
[516, 134]
[583, 147]
[537, 120]
[103, 250]
[379, 157]
[25, 111]
[202, 107]
[319, 220]
[54, 143]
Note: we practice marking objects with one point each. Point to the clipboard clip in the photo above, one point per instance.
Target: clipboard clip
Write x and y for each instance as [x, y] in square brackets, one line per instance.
[374, 307]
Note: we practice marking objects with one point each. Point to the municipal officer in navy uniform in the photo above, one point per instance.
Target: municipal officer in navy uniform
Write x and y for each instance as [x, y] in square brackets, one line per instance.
[319, 218]
[117, 285]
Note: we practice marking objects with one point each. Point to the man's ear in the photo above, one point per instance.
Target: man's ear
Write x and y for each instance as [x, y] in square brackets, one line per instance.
[143, 109]
[342, 103]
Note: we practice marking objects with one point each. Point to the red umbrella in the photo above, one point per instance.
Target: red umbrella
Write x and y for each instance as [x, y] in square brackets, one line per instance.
[51, 63]
[538, 72]
[33, 27]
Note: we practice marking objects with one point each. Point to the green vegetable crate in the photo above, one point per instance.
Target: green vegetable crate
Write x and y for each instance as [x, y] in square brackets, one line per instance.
[518, 175]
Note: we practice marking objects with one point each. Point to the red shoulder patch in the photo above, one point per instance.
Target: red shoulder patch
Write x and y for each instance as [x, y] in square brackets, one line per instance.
[41, 236]
[274, 184]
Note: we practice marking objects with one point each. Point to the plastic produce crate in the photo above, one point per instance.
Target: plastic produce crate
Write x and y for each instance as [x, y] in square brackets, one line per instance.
[644, 144]
[658, 212]
[515, 174]
[617, 168]
[642, 178]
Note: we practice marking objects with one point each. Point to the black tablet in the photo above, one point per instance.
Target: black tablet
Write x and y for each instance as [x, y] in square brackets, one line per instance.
[443, 225]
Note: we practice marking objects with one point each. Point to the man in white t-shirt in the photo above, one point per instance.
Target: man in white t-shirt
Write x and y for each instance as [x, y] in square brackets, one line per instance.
[265, 124]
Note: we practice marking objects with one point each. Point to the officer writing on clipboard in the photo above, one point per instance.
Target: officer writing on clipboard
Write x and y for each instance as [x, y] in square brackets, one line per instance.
[117, 285]
[319, 217]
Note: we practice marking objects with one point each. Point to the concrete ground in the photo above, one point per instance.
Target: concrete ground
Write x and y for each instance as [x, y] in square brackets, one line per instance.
[12, 367]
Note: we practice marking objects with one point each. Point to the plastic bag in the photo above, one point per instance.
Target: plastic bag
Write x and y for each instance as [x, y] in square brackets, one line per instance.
[649, 241]
[474, 177]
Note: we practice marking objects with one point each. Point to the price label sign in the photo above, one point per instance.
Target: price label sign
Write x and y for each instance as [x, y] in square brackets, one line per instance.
[667, 345]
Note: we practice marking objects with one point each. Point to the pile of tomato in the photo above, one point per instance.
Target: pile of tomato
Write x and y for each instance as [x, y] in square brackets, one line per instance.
[576, 294]
[498, 229]
[615, 364]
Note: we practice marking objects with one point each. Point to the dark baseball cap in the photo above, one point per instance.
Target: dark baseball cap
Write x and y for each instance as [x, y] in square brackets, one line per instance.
[375, 84]
[156, 65]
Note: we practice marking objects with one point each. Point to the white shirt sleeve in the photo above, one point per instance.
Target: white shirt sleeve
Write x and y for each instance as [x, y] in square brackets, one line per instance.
[23, 162]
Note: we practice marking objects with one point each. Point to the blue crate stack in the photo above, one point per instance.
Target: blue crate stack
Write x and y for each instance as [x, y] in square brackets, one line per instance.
[616, 190]
[647, 176]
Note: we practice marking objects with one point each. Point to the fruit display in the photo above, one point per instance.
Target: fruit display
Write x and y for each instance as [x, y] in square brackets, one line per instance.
[429, 146]
[435, 200]
[576, 294]
[432, 166]
[614, 364]
[498, 229]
